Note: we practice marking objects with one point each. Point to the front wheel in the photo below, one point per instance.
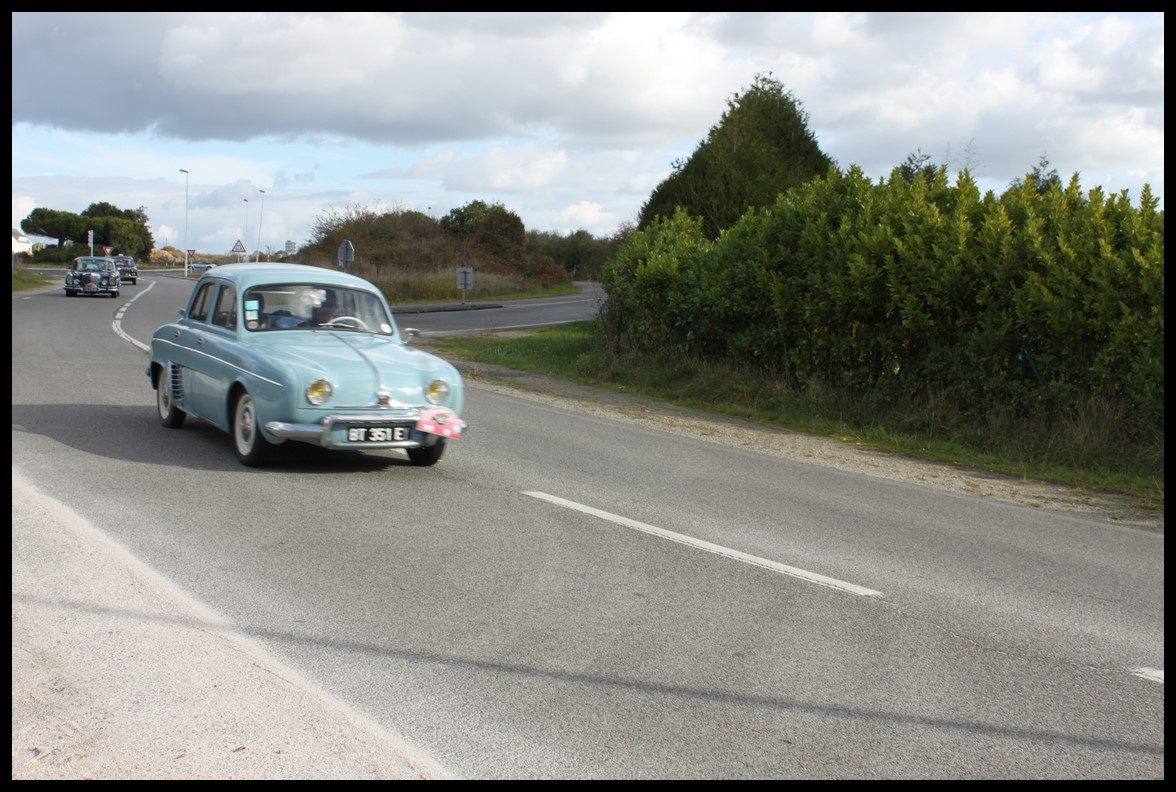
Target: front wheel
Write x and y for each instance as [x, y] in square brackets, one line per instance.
[252, 448]
[426, 455]
[170, 415]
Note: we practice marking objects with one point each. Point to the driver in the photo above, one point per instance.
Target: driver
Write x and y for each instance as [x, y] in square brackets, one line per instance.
[327, 310]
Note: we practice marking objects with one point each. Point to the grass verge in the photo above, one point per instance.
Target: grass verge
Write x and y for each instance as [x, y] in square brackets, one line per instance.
[22, 281]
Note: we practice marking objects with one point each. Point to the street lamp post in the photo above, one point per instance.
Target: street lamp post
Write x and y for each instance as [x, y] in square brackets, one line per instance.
[245, 233]
[260, 216]
[186, 177]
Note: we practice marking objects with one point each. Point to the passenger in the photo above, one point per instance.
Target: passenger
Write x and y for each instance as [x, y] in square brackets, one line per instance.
[278, 319]
[262, 318]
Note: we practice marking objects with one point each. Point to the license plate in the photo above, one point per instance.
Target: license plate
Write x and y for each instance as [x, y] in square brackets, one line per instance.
[377, 434]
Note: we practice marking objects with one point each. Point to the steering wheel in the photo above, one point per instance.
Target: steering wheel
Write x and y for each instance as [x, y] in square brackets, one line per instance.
[359, 323]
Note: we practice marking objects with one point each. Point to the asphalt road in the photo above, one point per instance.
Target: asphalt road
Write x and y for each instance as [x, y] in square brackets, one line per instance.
[563, 596]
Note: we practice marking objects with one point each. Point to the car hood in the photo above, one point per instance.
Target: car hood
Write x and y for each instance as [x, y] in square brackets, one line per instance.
[359, 365]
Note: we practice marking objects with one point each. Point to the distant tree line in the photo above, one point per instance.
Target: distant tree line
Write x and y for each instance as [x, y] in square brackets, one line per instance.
[488, 237]
[124, 230]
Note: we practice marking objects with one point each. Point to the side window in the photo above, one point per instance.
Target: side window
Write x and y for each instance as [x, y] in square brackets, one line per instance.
[226, 308]
[201, 303]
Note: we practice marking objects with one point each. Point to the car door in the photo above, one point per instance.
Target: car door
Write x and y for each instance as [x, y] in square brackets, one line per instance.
[214, 364]
[186, 349]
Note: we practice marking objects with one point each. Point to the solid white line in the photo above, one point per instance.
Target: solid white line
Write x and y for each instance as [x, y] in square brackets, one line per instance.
[118, 317]
[508, 306]
[481, 330]
[1154, 674]
[726, 552]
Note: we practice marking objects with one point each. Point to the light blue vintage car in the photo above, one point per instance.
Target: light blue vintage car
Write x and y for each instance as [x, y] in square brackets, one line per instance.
[277, 352]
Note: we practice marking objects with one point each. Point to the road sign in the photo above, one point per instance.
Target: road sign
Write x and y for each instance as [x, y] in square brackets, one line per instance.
[238, 248]
[107, 249]
[346, 254]
[465, 280]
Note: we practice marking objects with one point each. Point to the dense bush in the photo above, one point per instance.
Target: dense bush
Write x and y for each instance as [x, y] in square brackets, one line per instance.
[912, 292]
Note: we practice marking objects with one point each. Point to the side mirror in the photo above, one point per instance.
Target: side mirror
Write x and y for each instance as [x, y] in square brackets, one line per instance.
[409, 333]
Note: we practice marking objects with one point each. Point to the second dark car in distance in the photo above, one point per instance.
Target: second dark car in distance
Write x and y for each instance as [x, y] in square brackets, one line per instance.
[128, 270]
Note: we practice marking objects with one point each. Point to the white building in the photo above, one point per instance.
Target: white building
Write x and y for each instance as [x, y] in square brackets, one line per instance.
[20, 242]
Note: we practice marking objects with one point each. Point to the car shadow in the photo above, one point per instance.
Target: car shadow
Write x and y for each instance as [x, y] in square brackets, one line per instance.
[134, 434]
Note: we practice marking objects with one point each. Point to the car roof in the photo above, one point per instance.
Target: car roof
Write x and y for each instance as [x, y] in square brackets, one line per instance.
[247, 276]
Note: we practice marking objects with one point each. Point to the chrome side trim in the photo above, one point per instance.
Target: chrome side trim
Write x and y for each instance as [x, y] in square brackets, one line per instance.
[228, 363]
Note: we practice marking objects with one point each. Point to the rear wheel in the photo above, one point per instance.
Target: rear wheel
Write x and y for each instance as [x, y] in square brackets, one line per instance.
[170, 415]
[252, 448]
[426, 455]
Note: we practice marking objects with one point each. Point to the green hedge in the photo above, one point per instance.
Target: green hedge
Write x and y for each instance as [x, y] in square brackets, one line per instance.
[1040, 300]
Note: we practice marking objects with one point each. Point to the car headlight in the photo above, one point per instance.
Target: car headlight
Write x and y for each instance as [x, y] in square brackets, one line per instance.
[318, 392]
[437, 392]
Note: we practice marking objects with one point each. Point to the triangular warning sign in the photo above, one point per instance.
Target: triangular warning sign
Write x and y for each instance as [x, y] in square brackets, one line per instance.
[238, 248]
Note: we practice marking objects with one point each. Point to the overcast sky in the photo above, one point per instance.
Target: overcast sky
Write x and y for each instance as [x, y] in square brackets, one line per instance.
[568, 120]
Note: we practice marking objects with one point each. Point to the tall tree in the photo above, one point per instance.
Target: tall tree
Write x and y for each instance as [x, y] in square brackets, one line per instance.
[760, 148]
[493, 227]
[57, 225]
[1042, 178]
[915, 164]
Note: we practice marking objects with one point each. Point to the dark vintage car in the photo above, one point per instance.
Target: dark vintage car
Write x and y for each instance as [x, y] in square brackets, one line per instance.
[92, 275]
[292, 353]
[128, 270]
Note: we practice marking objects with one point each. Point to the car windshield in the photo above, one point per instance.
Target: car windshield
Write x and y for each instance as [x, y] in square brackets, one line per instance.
[90, 265]
[314, 306]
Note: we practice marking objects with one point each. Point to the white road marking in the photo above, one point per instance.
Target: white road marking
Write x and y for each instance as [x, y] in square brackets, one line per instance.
[1154, 674]
[118, 317]
[726, 552]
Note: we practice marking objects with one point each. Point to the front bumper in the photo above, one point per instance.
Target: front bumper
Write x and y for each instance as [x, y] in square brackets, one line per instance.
[91, 288]
[418, 428]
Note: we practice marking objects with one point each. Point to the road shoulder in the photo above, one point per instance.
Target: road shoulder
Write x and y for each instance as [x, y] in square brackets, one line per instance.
[116, 674]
